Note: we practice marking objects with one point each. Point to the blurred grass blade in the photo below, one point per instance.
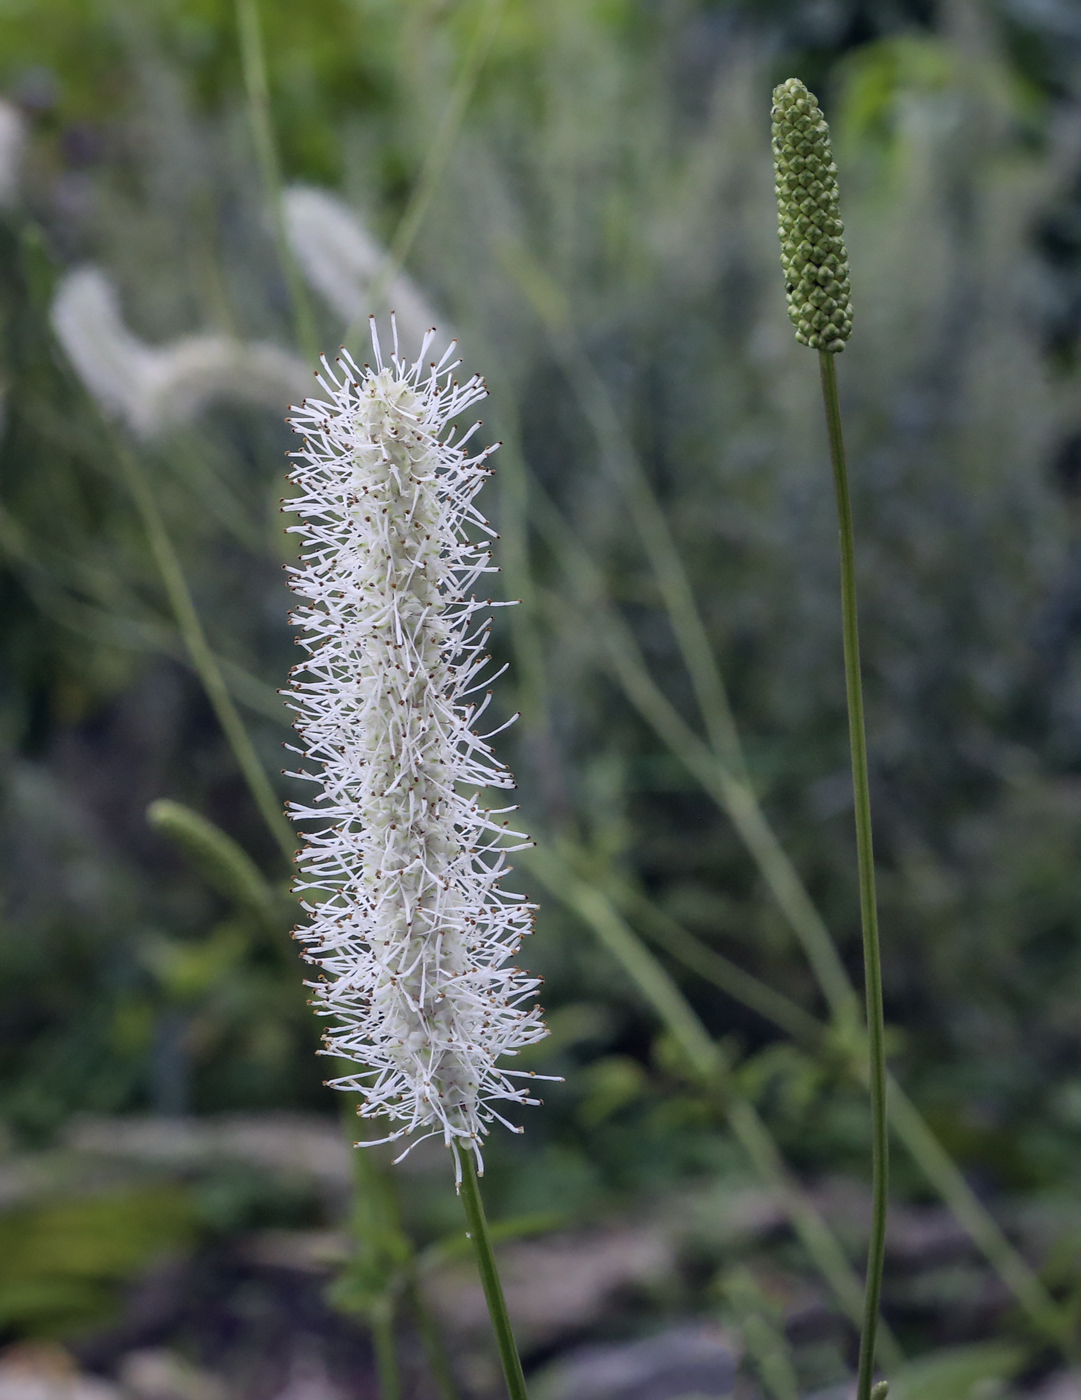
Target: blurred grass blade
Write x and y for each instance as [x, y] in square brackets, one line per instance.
[221, 861]
[431, 1340]
[620, 463]
[435, 160]
[734, 796]
[514, 560]
[257, 89]
[958, 1373]
[905, 1119]
[708, 1064]
[762, 1326]
[739, 802]
[941, 1170]
[385, 1267]
[715, 968]
[203, 659]
[54, 584]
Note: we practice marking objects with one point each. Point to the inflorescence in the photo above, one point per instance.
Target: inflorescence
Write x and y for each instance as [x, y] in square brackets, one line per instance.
[813, 254]
[400, 876]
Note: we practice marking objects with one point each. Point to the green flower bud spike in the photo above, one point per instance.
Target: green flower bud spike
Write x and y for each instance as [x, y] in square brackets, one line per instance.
[815, 265]
[813, 256]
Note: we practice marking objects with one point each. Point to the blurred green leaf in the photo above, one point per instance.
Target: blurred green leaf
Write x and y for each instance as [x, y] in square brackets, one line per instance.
[217, 856]
[61, 1265]
[959, 1373]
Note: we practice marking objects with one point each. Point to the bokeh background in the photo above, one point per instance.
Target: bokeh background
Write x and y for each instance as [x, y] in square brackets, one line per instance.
[198, 197]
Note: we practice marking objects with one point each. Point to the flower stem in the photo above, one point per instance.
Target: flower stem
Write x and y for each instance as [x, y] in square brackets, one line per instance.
[868, 908]
[386, 1359]
[436, 1353]
[489, 1277]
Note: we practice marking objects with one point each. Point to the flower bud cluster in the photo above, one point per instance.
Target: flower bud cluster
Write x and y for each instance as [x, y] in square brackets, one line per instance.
[813, 254]
[409, 927]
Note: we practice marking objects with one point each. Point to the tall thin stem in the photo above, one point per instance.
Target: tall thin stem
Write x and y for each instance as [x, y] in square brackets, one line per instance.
[434, 1350]
[489, 1277]
[872, 961]
[386, 1358]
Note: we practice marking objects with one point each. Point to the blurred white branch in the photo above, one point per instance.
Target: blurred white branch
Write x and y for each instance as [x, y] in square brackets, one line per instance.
[12, 143]
[345, 264]
[150, 388]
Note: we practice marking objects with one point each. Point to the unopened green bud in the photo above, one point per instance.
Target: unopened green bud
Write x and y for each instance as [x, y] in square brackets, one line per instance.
[813, 256]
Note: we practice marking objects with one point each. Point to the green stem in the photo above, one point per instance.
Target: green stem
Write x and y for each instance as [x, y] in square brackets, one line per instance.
[386, 1359]
[741, 805]
[489, 1277]
[436, 1353]
[868, 908]
[202, 657]
[257, 87]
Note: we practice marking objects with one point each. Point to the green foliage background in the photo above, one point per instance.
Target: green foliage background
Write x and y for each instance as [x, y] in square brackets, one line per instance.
[608, 204]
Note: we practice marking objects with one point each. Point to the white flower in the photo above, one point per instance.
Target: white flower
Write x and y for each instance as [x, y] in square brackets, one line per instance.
[151, 387]
[342, 261]
[408, 923]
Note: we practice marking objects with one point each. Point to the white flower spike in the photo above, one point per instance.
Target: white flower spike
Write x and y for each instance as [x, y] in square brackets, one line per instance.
[409, 926]
[151, 388]
[344, 263]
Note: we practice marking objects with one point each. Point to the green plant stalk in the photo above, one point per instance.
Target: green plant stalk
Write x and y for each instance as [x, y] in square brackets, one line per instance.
[872, 959]
[738, 800]
[257, 88]
[202, 657]
[387, 1373]
[596, 909]
[432, 1342]
[489, 1277]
